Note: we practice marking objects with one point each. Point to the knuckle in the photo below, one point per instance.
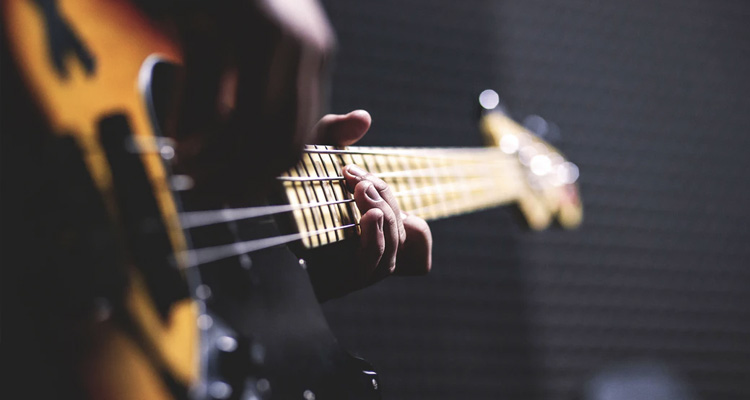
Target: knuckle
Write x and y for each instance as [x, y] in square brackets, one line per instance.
[379, 183]
[390, 218]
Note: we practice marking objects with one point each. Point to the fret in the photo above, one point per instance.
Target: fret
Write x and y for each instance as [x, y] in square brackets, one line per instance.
[351, 211]
[359, 160]
[450, 184]
[466, 197]
[329, 168]
[327, 212]
[431, 197]
[397, 183]
[401, 163]
[438, 196]
[431, 183]
[305, 215]
[312, 195]
[370, 163]
[411, 164]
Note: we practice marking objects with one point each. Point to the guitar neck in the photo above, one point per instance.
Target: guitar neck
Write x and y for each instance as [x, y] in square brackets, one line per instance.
[431, 183]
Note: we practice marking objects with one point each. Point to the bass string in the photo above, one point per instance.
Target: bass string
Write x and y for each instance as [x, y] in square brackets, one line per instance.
[487, 167]
[205, 255]
[455, 153]
[197, 257]
[468, 185]
[194, 219]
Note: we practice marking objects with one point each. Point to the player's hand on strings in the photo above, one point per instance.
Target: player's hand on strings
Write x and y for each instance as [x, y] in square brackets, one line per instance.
[392, 242]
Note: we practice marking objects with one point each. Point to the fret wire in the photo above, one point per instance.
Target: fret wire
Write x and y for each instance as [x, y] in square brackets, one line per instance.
[431, 190]
[364, 164]
[404, 162]
[443, 197]
[332, 209]
[486, 202]
[320, 188]
[432, 180]
[452, 190]
[370, 164]
[468, 171]
[380, 162]
[309, 214]
[426, 181]
[439, 181]
[314, 240]
[313, 163]
[394, 165]
[351, 207]
[416, 200]
[341, 190]
[406, 173]
[420, 172]
[320, 213]
[467, 198]
[417, 182]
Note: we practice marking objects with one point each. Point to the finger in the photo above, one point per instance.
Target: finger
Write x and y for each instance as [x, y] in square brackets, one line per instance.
[342, 130]
[367, 198]
[354, 174]
[372, 242]
[415, 255]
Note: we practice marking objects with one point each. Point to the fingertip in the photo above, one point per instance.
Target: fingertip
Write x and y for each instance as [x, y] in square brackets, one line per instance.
[361, 115]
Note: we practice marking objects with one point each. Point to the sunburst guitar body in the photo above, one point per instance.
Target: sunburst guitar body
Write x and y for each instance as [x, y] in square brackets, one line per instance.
[87, 64]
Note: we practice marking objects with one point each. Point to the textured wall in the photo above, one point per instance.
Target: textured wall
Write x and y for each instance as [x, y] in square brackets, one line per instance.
[652, 102]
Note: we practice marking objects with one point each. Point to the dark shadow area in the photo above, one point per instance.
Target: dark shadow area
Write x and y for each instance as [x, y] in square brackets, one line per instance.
[651, 101]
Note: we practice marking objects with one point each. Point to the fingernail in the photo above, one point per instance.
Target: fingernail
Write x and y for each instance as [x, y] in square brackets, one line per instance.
[372, 193]
[403, 216]
[356, 171]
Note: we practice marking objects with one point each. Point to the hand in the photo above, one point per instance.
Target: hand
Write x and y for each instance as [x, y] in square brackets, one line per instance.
[391, 242]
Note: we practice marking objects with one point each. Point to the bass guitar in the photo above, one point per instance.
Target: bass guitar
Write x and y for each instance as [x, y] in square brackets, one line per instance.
[159, 297]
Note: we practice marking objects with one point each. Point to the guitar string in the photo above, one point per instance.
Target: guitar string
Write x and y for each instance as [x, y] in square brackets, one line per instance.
[194, 219]
[458, 206]
[148, 145]
[200, 218]
[417, 152]
[413, 173]
[197, 257]
[205, 255]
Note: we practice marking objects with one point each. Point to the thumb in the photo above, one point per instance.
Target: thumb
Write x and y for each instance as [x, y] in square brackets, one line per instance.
[342, 130]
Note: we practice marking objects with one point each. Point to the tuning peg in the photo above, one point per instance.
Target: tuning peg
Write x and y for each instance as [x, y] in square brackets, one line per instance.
[542, 128]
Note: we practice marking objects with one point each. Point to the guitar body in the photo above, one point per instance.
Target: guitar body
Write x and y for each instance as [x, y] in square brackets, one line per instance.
[82, 84]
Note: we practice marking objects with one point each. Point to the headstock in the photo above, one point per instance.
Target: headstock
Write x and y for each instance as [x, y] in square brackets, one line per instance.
[550, 191]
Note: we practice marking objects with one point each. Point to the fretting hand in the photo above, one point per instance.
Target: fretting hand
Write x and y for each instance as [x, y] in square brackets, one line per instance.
[391, 242]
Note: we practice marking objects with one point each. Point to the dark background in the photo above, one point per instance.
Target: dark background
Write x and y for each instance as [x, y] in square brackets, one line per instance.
[652, 102]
